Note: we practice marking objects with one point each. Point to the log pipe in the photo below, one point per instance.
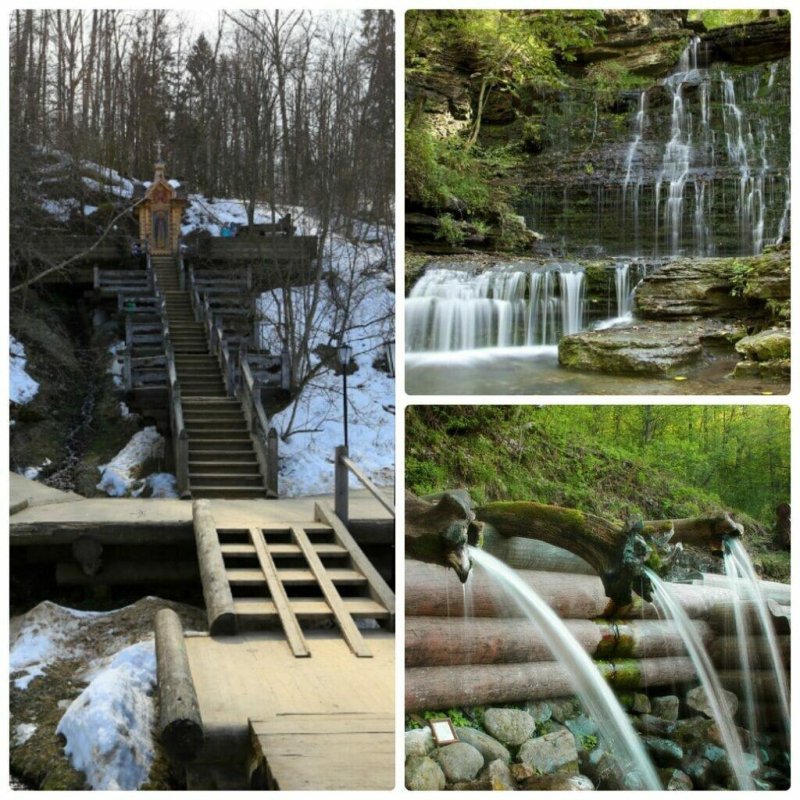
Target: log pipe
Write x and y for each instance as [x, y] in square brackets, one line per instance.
[441, 533]
[618, 551]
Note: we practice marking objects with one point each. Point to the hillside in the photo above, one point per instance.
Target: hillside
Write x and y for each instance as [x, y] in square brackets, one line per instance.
[614, 461]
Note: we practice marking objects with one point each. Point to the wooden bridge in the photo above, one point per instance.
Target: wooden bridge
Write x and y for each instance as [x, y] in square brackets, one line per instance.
[293, 685]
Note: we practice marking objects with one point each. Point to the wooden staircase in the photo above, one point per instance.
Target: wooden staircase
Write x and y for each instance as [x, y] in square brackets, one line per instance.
[222, 458]
[287, 575]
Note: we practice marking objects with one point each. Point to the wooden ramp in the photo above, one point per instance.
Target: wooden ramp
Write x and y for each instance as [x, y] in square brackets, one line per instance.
[292, 575]
[348, 750]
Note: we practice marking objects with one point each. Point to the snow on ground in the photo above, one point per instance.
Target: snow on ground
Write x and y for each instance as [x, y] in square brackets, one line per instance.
[115, 368]
[22, 388]
[317, 415]
[60, 209]
[108, 726]
[205, 214]
[159, 484]
[43, 635]
[23, 732]
[121, 473]
[32, 473]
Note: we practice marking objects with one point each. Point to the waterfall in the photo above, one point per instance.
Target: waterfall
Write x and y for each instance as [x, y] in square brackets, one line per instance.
[622, 283]
[451, 310]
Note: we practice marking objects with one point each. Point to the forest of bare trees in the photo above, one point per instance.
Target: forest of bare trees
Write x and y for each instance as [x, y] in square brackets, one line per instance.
[286, 107]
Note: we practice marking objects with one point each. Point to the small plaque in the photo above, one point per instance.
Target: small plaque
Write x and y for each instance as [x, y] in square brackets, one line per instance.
[443, 731]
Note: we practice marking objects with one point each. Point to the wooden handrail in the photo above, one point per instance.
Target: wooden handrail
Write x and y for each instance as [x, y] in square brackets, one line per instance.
[342, 465]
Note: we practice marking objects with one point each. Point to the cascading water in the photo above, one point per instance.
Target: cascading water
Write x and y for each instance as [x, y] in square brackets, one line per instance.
[668, 604]
[622, 283]
[597, 697]
[743, 568]
[450, 310]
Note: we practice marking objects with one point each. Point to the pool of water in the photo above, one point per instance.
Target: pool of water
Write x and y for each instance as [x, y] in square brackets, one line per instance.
[535, 371]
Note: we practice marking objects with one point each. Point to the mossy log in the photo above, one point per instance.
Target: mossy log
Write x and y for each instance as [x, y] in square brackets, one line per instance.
[617, 551]
[429, 688]
[724, 652]
[434, 591]
[440, 641]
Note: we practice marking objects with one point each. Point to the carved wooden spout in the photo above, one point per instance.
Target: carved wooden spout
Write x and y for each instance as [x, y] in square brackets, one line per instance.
[441, 532]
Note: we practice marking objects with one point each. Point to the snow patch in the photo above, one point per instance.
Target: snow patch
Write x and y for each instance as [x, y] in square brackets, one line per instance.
[108, 726]
[159, 484]
[23, 732]
[32, 473]
[43, 634]
[60, 209]
[116, 367]
[22, 388]
[124, 411]
[119, 475]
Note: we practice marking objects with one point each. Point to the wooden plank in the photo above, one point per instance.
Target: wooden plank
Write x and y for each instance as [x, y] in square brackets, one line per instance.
[357, 607]
[241, 576]
[327, 751]
[362, 476]
[342, 616]
[291, 627]
[379, 589]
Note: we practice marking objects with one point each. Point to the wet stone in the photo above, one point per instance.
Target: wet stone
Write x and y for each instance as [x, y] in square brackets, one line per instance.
[582, 726]
[641, 703]
[664, 752]
[555, 752]
[424, 774]
[565, 708]
[698, 769]
[419, 742]
[499, 776]
[487, 746]
[509, 725]
[666, 707]
[697, 700]
[459, 761]
[673, 780]
[540, 710]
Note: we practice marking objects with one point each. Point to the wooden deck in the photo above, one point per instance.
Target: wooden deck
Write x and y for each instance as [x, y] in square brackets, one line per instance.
[257, 698]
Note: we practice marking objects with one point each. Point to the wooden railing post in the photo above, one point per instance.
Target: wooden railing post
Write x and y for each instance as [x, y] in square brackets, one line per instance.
[272, 461]
[341, 481]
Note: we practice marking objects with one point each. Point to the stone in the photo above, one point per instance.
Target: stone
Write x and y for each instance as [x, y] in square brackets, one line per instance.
[666, 707]
[423, 774]
[641, 703]
[565, 708]
[499, 776]
[581, 726]
[554, 752]
[486, 745]
[697, 700]
[664, 752]
[459, 761]
[673, 780]
[540, 710]
[655, 726]
[521, 772]
[645, 347]
[509, 725]
[769, 345]
[419, 742]
[604, 770]
[699, 771]
[558, 783]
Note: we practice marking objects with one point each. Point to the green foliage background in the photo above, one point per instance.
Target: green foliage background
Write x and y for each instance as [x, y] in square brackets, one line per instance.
[654, 461]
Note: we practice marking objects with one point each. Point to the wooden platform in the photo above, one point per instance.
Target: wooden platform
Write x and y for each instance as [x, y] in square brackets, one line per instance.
[257, 702]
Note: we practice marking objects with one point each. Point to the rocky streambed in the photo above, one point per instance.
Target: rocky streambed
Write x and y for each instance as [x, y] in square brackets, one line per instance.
[554, 745]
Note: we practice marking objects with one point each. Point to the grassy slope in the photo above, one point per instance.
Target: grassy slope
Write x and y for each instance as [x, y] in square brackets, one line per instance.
[495, 460]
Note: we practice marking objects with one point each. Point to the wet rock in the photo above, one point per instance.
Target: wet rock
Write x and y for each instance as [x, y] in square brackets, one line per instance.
[423, 774]
[499, 776]
[459, 761]
[603, 769]
[521, 772]
[699, 770]
[419, 742]
[582, 726]
[487, 746]
[654, 726]
[697, 700]
[540, 710]
[664, 752]
[509, 725]
[769, 345]
[643, 348]
[693, 731]
[673, 780]
[554, 752]
[565, 708]
[641, 703]
[779, 370]
[666, 707]
[558, 783]
[752, 43]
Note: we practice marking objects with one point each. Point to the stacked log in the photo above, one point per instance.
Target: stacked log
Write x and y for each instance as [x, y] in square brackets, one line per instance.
[472, 645]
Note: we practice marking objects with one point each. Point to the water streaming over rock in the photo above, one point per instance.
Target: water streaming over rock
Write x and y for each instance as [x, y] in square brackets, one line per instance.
[597, 697]
[668, 604]
[705, 170]
[461, 309]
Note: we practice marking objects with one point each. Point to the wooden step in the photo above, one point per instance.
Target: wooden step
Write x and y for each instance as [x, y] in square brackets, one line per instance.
[221, 479]
[242, 576]
[281, 550]
[228, 492]
[258, 609]
[248, 467]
